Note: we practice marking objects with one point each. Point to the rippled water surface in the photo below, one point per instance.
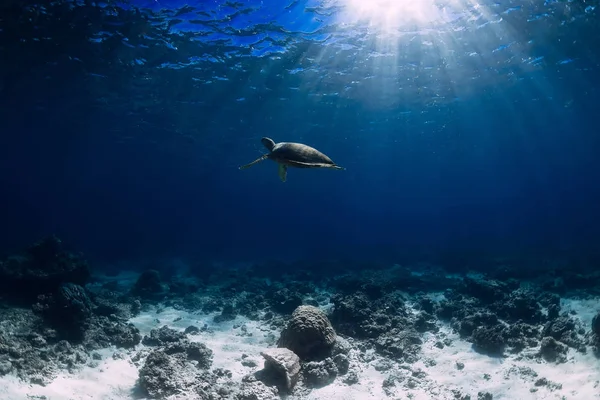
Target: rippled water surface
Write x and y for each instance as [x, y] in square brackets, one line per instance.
[390, 54]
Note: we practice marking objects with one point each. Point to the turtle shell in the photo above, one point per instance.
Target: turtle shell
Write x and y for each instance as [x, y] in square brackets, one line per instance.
[300, 153]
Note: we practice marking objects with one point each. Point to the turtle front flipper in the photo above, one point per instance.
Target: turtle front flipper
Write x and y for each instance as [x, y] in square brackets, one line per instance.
[282, 172]
[261, 158]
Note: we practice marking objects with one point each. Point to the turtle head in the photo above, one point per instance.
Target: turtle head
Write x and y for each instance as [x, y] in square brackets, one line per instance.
[268, 143]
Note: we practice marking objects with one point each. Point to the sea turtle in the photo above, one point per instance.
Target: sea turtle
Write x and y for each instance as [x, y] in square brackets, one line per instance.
[298, 155]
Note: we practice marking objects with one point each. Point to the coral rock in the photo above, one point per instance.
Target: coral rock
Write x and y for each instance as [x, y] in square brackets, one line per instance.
[309, 333]
[283, 362]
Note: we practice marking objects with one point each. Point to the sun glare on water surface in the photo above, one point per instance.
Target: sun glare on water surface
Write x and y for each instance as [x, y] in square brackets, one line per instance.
[390, 53]
[389, 15]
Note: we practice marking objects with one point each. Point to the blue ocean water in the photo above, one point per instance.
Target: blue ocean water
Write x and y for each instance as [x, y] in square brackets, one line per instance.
[466, 128]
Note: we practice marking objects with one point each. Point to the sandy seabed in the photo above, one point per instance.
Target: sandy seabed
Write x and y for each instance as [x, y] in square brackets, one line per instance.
[510, 377]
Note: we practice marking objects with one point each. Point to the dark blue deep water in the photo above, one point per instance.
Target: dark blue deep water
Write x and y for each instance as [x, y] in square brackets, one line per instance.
[468, 130]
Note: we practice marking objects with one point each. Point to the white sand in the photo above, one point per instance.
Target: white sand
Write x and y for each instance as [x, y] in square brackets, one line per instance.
[115, 379]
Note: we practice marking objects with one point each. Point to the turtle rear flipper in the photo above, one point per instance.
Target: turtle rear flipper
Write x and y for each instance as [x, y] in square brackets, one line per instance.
[301, 164]
[261, 158]
[282, 172]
